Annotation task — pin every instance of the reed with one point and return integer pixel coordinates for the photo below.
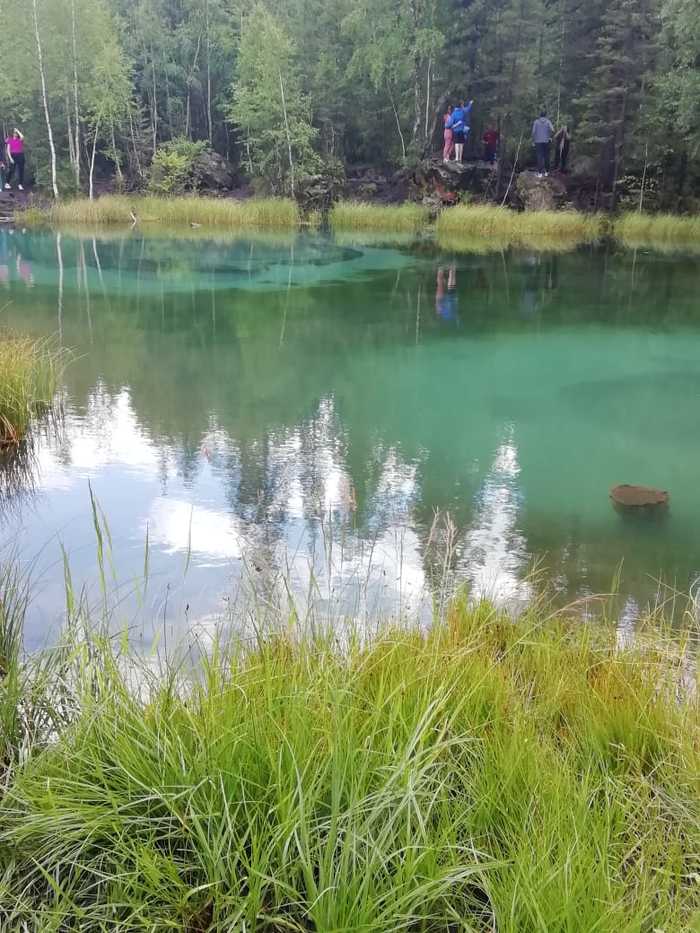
(359, 215)
(489, 773)
(224, 213)
(635, 229)
(29, 375)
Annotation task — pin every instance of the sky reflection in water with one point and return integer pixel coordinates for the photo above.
(299, 407)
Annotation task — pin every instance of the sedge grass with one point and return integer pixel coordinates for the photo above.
(29, 375)
(658, 230)
(487, 774)
(360, 215)
(224, 213)
(513, 227)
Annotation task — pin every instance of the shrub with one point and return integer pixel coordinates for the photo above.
(174, 166)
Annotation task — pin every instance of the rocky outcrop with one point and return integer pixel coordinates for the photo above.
(367, 183)
(213, 172)
(540, 194)
(318, 192)
(435, 181)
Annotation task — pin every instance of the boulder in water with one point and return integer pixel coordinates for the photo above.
(639, 499)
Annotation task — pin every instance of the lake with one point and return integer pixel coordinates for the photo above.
(311, 408)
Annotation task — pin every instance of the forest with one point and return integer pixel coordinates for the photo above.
(104, 90)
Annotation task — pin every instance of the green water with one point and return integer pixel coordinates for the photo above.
(303, 406)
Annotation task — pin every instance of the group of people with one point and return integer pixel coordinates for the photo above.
(12, 161)
(456, 129)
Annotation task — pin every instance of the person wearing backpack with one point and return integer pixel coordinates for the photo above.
(460, 127)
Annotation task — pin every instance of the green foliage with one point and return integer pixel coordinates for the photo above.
(272, 113)
(174, 167)
(280, 88)
(497, 774)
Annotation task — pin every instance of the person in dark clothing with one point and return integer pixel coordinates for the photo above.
(490, 141)
(562, 144)
(542, 132)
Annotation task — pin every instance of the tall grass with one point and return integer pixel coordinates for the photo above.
(29, 375)
(225, 213)
(635, 229)
(488, 774)
(359, 215)
(505, 224)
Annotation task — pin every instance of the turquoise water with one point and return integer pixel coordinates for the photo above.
(295, 406)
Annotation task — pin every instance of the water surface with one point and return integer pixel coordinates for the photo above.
(306, 406)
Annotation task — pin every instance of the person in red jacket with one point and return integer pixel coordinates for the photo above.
(490, 141)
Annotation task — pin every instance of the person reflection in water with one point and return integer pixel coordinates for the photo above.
(446, 306)
(4, 258)
(23, 265)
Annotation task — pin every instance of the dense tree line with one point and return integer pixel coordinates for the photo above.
(287, 88)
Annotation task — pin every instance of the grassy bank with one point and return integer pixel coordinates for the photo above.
(224, 213)
(358, 215)
(29, 375)
(486, 775)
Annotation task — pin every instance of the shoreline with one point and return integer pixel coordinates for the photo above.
(455, 225)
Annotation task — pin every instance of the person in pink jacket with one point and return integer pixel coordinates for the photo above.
(448, 136)
(14, 146)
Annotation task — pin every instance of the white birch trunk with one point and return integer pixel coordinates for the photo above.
(76, 108)
(289, 138)
(92, 158)
(44, 97)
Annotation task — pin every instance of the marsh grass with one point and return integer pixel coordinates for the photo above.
(486, 774)
(513, 227)
(662, 230)
(359, 215)
(225, 213)
(29, 375)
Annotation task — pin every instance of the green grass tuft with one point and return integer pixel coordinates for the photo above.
(512, 227)
(29, 375)
(487, 774)
(663, 230)
(224, 213)
(358, 215)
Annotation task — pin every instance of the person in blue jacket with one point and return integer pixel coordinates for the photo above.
(460, 127)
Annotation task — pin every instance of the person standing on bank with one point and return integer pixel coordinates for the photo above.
(542, 132)
(460, 127)
(562, 143)
(15, 154)
(447, 135)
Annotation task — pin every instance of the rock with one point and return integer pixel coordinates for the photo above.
(448, 180)
(540, 194)
(639, 499)
(213, 171)
(317, 192)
